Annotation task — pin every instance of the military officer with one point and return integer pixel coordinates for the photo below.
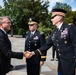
(34, 40)
(64, 39)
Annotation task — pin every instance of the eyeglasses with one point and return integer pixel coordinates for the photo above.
(7, 22)
(55, 16)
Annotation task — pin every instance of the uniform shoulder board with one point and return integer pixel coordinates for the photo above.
(41, 32)
(70, 23)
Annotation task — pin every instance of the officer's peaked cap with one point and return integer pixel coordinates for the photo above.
(33, 21)
(59, 11)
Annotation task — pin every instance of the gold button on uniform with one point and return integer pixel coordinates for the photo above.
(58, 49)
(65, 42)
(35, 44)
(57, 44)
(74, 57)
(56, 40)
(29, 41)
(59, 54)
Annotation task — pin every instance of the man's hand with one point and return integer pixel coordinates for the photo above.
(28, 54)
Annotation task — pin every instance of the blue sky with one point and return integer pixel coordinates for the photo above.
(72, 3)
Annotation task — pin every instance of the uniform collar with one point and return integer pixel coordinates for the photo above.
(33, 32)
(60, 26)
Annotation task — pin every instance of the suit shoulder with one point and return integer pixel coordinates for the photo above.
(1, 34)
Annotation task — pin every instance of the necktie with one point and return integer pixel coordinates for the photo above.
(31, 34)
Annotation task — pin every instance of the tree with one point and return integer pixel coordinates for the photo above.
(74, 17)
(20, 11)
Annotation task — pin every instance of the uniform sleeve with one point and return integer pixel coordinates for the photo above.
(42, 42)
(73, 37)
(45, 47)
(5, 49)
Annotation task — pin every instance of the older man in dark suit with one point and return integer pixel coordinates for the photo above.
(5, 47)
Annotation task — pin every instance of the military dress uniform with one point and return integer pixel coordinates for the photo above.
(65, 42)
(32, 43)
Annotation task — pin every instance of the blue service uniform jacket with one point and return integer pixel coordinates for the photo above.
(65, 42)
(33, 43)
(6, 54)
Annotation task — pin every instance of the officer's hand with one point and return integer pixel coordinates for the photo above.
(41, 63)
(27, 54)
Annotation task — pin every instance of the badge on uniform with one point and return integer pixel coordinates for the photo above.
(35, 38)
(64, 33)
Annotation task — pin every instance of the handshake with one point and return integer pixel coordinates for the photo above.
(28, 54)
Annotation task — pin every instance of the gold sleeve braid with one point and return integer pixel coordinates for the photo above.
(43, 56)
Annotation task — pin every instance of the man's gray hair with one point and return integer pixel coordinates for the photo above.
(2, 17)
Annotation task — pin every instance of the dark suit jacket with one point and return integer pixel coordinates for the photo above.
(6, 54)
(65, 42)
(33, 43)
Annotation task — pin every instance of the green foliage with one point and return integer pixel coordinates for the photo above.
(20, 32)
(43, 29)
(19, 11)
(74, 17)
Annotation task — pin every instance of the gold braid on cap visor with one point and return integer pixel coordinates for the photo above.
(32, 22)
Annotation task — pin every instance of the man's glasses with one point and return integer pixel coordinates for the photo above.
(55, 16)
(7, 22)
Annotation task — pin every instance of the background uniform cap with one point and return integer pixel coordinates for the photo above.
(58, 11)
(33, 21)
